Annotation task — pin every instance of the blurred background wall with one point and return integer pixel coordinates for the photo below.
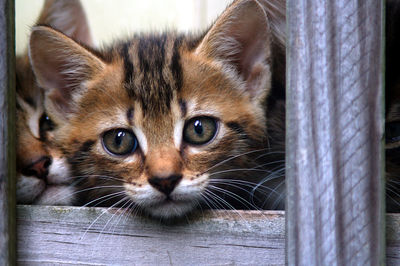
(110, 19)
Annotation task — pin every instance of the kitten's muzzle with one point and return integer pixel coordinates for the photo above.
(39, 168)
(165, 184)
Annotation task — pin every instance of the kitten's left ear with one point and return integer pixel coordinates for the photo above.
(240, 39)
(69, 17)
(62, 68)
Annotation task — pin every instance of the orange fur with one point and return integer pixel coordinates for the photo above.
(151, 87)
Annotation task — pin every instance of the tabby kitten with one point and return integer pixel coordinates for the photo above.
(43, 172)
(164, 122)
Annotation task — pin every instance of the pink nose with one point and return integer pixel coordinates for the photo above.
(39, 168)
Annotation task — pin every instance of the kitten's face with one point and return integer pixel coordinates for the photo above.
(160, 121)
(43, 175)
(164, 143)
(39, 165)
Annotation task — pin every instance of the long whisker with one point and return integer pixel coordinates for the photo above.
(98, 217)
(228, 205)
(234, 196)
(112, 216)
(234, 157)
(84, 190)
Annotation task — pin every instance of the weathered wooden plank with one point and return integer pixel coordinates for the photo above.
(335, 128)
(393, 239)
(73, 235)
(7, 134)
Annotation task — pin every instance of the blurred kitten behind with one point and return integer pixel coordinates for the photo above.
(43, 175)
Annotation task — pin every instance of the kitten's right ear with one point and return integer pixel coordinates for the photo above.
(69, 17)
(62, 67)
(240, 40)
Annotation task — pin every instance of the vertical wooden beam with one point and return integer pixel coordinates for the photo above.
(7, 134)
(334, 133)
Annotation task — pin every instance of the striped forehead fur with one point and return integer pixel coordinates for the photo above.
(152, 66)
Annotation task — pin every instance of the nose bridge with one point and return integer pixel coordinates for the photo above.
(29, 149)
(163, 162)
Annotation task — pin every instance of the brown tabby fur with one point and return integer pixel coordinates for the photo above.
(46, 185)
(153, 83)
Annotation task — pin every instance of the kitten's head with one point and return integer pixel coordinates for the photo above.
(161, 120)
(39, 163)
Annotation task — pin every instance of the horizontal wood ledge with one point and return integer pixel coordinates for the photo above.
(98, 236)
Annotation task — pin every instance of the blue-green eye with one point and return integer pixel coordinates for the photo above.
(120, 141)
(200, 130)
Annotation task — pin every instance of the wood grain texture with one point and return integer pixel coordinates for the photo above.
(7, 134)
(95, 236)
(393, 239)
(335, 133)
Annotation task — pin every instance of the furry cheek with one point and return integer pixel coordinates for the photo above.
(59, 172)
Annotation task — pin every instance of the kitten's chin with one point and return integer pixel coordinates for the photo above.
(170, 209)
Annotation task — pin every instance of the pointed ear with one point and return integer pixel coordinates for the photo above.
(67, 16)
(62, 68)
(240, 40)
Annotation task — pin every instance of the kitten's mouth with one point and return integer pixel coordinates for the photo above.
(169, 208)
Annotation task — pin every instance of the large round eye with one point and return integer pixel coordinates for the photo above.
(119, 141)
(200, 130)
(392, 132)
(45, 124)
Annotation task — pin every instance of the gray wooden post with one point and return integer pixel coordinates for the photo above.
(334, 133)
(7, 135)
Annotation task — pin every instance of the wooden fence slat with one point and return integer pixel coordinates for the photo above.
(7, 134)
(56, 235)
(334, 133)
(95, 236)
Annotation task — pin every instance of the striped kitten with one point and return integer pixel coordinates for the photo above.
(42, 170)
(166, 122)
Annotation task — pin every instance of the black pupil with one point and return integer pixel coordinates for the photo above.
(119, 137)
(198, 127)
(45, 124)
